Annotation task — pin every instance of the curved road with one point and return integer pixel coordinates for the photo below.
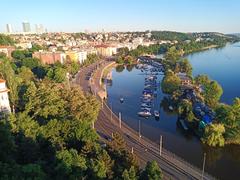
(107, 123)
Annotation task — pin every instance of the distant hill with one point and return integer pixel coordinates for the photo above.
(179, 36)
(236, 34)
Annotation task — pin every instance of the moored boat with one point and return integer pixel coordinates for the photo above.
(144, 113)
(171, 108)
(121, 100)
(156, 114)
(183, 124)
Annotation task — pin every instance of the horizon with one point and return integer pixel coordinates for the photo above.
(123, 16)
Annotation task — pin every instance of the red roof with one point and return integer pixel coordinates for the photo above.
(6, 46)
(2, 81)
(102, 46)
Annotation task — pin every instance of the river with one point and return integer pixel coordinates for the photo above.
(220, 64)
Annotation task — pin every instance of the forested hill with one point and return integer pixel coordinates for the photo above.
(180, 36)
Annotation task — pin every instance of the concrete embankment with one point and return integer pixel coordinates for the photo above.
(96, 86)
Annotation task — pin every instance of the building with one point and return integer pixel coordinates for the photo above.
(4, 101)
(50, 57)
(72, 56)
(24, 45)
(106, 50)
(39, 28)
(26, 27)
(185, 79)
(9, 28)
(7, 50)
(82, 56)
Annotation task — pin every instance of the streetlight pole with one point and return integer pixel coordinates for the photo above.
(160, 146)
(204, 161)
(111, 111)
(120, 120)
(139, 129)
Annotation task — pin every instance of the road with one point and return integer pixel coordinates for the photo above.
(107, 123)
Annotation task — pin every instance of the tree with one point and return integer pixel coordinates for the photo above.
(2, 55)
(129, 175)
(229, 116)
(173, 54)
(25, 74)
(98, 169)
(21, 122)
(45, 101)
(72, 67)
(123, 158)
(212, 91)
(81, 107)
(185, 67)
(37, 47)
(70, 164)
(120, 60)
(7, 144)
(117, 144)
(91, 58)
(21, 54)
(120, 68)
(123, 51)
(6, 40)
(152, 172)
(60, 75)
(129, 60)
(31, 62)
(185, 109)
(225, 115)
(213, 135)
(32, 171)
(170, 83)
(12, 81)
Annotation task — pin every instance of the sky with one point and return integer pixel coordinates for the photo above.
(123, 15)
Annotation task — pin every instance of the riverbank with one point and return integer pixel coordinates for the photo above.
(106, 74)
(201, 50)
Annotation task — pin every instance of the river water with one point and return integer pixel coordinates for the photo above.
(220, 64)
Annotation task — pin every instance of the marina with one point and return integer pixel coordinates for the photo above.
(151, 84)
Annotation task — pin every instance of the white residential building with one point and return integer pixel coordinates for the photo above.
(4, 101)
(82, 56)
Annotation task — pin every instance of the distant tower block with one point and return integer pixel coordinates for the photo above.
(9, 28)
(4, 101)
(26, 27)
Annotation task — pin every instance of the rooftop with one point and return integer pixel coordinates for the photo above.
(2, 81)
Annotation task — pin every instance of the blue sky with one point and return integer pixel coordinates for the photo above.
(122, 15)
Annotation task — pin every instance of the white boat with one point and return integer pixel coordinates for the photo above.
(121, 99)
(144, 113)
(148, 100)
(147, 95)
(170, 107)
(156, 114)
(146, 109)
(145, 105)
(183, 124)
